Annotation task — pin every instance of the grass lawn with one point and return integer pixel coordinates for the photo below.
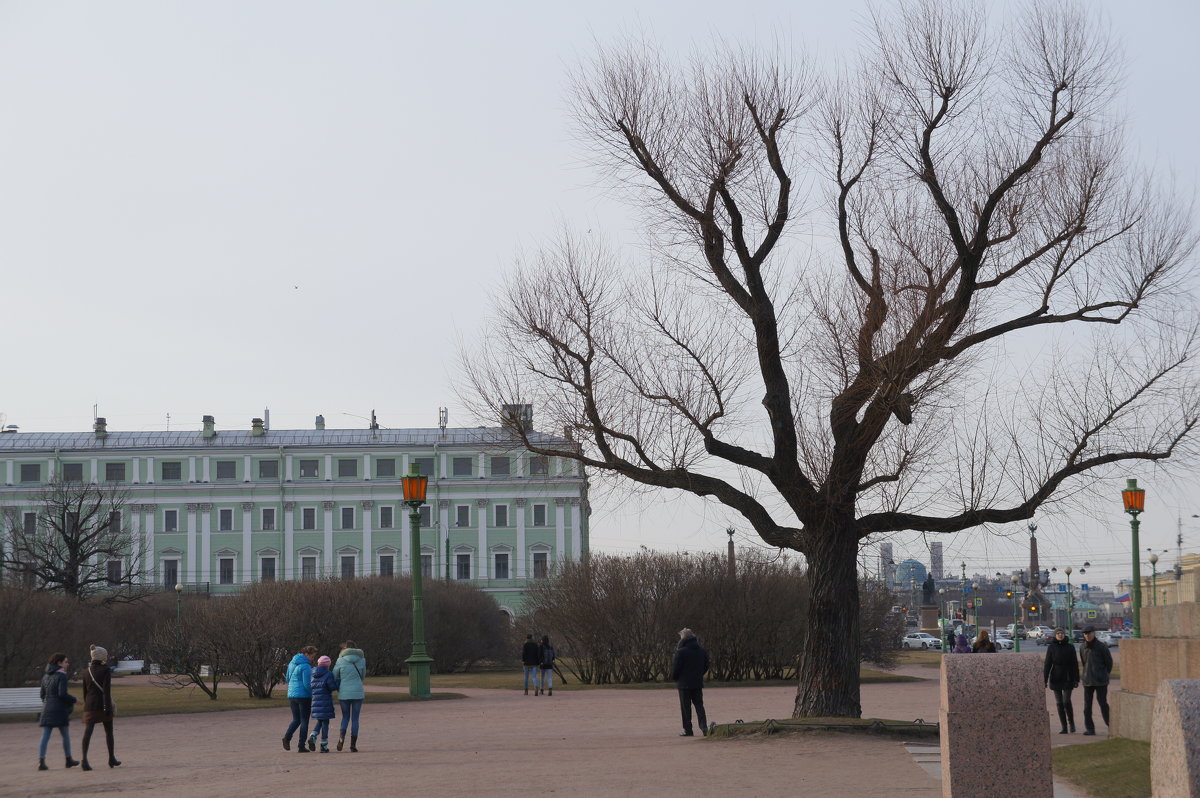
(916, 656)
(1116, 768)
(143, 699)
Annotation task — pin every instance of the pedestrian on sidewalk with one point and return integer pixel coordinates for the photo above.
(1061, 673)
(530, 663)
(299, 682)
(324, 685)
(546, 657)
(688, 669)
(57, 703)
(349, 672)
(983, 643)
(1097, 664)
(98, 704)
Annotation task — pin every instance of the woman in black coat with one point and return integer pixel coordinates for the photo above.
(57, 704)
(1061, 672)
(98, 704)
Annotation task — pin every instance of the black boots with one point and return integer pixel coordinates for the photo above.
(72, 762)
(42, 765)
(354, 743)
(86, 766)
(551, 691)
(342, 739)
(287, 744)
(113, 762)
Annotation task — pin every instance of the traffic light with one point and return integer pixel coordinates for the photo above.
(1033, 609)
(1008, 594)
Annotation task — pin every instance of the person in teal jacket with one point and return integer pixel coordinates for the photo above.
(299, 682)
(350, 671)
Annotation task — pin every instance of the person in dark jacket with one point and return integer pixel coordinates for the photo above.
(324, 685)
(688, 669)
(1097, 664)
(546, 657)
(299, 682)
(57, 704)
(98, 703)
(1061, 674)
(530, 662)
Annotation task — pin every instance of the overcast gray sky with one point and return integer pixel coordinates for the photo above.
(216, 207)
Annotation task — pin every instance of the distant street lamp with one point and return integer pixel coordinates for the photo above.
(975, 600)
(178, 604)
(1070, 600)
(1016, 580)
(1154, 580)
(418, 663)
(1134, 499)
(942, 618)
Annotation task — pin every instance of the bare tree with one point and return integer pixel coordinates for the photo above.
(979, 307)
(78, 542)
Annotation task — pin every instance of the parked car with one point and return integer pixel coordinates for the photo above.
(1002, 640)
(1111, 639)
(1016, 630)
(920, 640)
(1042, 634)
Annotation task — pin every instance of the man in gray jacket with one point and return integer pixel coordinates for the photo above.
(1097, 665)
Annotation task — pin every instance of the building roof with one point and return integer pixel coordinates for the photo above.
(17, 442)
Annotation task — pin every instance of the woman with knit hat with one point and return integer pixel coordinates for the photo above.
(97, 703)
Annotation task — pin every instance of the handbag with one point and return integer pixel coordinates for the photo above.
(112, 703)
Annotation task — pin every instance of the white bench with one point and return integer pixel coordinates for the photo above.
(129, 666)
(15, 700)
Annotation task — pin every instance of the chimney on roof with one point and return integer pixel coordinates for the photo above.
(321, 422)
(517, 418)
(100, 427)
(210, 427)
(256, 427)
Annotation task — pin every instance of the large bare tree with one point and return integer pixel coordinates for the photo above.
(926, 293)
(79, 543)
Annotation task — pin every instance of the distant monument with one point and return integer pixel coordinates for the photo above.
(928, 588)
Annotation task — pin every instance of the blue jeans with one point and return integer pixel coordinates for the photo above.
(322, 729)
(548, 678)
(531, 670)
(301, 707)
(350, 709)
(64, 730)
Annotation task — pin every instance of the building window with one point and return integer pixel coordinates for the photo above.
(539, 465)
(227, 469)
(308, 567)
(114, 521)
(309, 469)
(114, 472)
(170, 520)
(501, 515)
(225, 520)
(114, 572)
(268, 469)
(72, 472)
(170, 574)
(462, 515)
(424, 466)
(348, 566)
(501, 566)
(268, 519)
(30, 521)
(347, 518)
(348, 468)
(425, 514)
(539, 515)
(31, 472)
(501, 466)
(462, 566)
(427, 566)
(461, 466)
(541, 565)
(385, 517)
(266, 569)
(387, 565)
(385, 467)
(172, 471)
(308, 518)
(226, 564)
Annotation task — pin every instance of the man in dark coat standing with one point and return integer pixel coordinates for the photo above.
(530, 663)
(1097, 665)
(688, 669)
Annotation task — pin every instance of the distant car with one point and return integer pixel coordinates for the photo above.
(1016, 630)
(1042, 633)
(922, 640)
(1003, 640)
(1111, 639)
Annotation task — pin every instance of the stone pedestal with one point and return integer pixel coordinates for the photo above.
(1175, 740)
(929, 620)
(993, 720)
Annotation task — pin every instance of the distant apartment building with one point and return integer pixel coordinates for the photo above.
(218, 510)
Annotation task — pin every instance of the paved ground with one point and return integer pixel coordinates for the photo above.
(603, 743)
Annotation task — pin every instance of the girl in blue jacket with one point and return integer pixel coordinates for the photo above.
(323, 688)
(299, 683)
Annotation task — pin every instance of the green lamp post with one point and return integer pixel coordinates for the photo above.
(415, 486)
(1134, 499)
(1016, 631)
(1070, 624)
(1154, 579)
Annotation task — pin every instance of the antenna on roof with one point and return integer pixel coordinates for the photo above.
(266, 418)
(443, 419)
(95, 411)
(374, 422)
(168, 422)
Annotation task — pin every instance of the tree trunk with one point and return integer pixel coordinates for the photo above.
(828, 666)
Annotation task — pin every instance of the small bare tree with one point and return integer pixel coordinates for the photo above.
(979, 309)
(78, 543)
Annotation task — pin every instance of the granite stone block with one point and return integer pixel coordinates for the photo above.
(990, 704)
(1175, 740)
(1131, 714)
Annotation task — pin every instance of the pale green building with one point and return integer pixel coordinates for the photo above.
(217, 509)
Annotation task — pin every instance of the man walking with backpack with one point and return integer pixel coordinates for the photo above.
(530, 662)
(688, 669)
